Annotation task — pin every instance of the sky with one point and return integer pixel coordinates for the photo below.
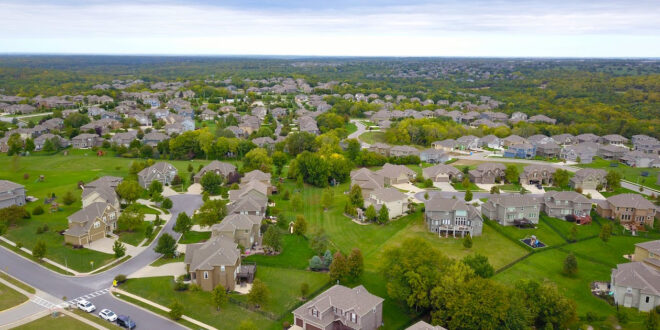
(477, 28)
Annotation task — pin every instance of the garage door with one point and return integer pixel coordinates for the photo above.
(97, 236)
(311, 327)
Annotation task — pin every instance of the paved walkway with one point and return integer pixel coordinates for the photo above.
(172, 269)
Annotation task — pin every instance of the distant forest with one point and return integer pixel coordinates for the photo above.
(611, 95)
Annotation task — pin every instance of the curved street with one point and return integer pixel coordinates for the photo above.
(72, 287)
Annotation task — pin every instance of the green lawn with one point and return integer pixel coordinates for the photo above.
(350, 128)
(134, 237)
(60, 322)
(459, 186)
(192, 237)
(510, 187)
(372, 137)
(61, 174)
(584, 231)
(196, 304)
(284, 286)
(10, 297)
(295, 254)
(542, 231)
(632, 174)
(162, 260)
(146, 209)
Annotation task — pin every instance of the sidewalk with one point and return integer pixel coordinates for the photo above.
(161, 307)
(44, 259)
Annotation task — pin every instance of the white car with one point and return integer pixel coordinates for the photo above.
(108, 315)
(86, 306)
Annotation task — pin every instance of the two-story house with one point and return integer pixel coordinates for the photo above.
(537, 174)
(648, 252)
(161, 171)
(242, 228)
(220, 168)
(487, 173)
(509, 210)
(367, 180)
(395, 201)
(91, 223)
(636, 285)
(341, 308)
(588, 178)
(629, 209)
(559, 204)
(447, 216)
(396, 174)
(11, 194)
(442, 173)
(214, 262)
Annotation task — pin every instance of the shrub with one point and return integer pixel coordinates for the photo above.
(176, 310)
(121, 278)
(194, 288)
(38, 210)
(179, 284)
(166, 204)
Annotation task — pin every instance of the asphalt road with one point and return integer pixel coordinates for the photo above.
(71, 287)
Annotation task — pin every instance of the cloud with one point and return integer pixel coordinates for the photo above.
(448, 28)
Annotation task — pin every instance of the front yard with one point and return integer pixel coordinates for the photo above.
(10, 297)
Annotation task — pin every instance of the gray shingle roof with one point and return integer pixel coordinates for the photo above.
(637, 275)
(217, 251)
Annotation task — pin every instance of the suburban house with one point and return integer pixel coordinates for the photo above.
(102, 193)
(559, 204)
(343, 308)
(445, 145)
(111, 181)
(611, 152)
(614, 139)
(207, 115)
(630, 209)
(582, 153)
(86, 140)
(161, 171)
(433, 156)
(59, 142)
(537, 174)
(403, 151)
(124, 138)
(308, 124)
(490, 141)
(265, 142)
(549, 149)
(367, 180)
(216, 261)
(380, 148)
(11, 194)
(587, 137)
(251, 199)
(396, 174)
(512, 140)
(588, 178)
(442, 173)
(520, 150)
(257, 175)
(648, 252)
(487, 173)
(639, 158)
(645, 143)
(154, 138)
(421, 325)
(395, 201)
(509, 210)
(91, 223)
(452, 217)
(220, 168)
(636, 285)
(542, 119)
(564, 139)
(243, 229)
(468, 142)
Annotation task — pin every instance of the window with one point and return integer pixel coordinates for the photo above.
(222, 268)
(97, 224)
(353, 317)
(206, 275)
(647, 299)
(315, 312)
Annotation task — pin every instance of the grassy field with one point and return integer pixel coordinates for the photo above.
(61, 174)
(194, 237)
(372, 137)
(196, 304)
(60, 322)
(632, 174)
(10, 297)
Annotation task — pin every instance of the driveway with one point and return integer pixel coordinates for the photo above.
(172, 269)
(595, 194)
(532, 189)
(167, 192)
(408, 187)
(105, 245)
(444, 186)
(195, 189)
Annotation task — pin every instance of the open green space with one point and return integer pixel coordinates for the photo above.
(162, 260)
(197, 305)
(61, 175)
(134, 237)
(632, 174)
(10, 297)
(372, 137)
(564, 227)
(192, 237)
(146, 209)
(60, 322)
(295, 254)
(284, 287)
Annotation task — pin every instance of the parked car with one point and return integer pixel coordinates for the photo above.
(108, 315)
(539, 186)
(86, 306)
(125, 322)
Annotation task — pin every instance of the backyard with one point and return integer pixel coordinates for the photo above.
(632, 174)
